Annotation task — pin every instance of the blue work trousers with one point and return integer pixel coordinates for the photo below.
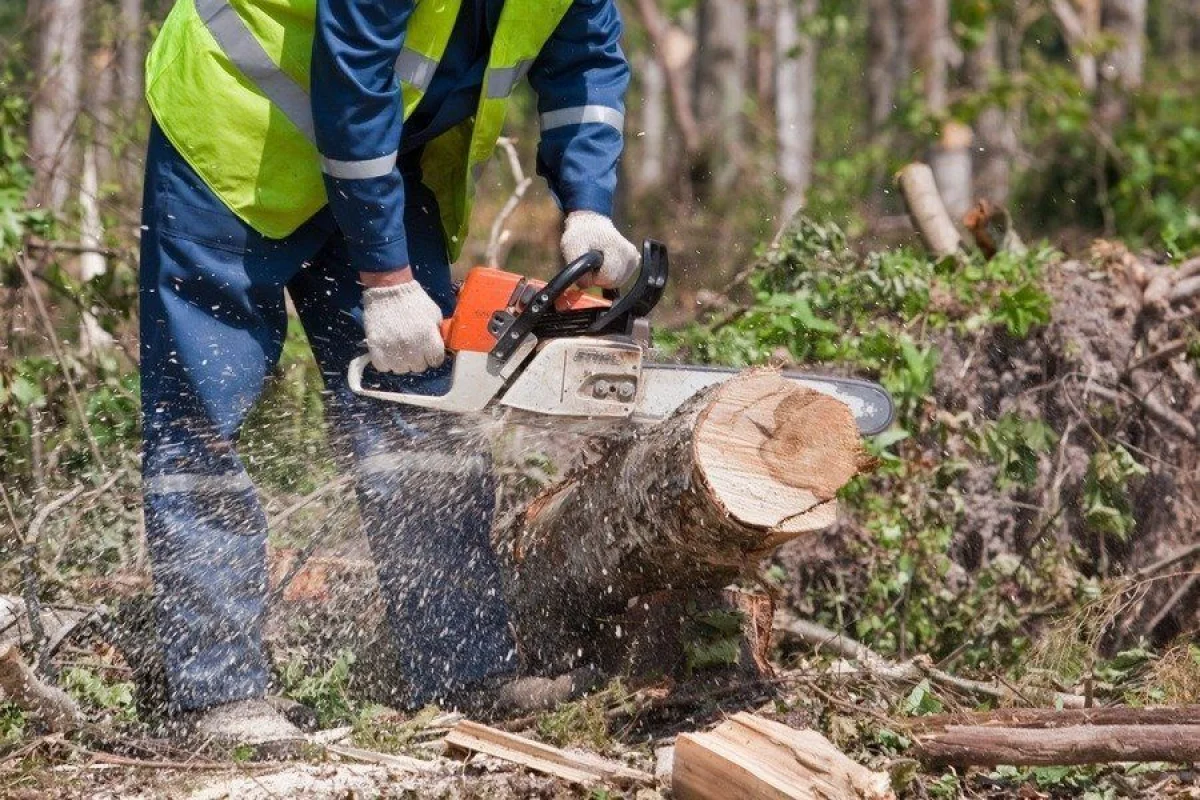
(213, 321)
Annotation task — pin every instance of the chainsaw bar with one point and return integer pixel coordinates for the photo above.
(665, 387)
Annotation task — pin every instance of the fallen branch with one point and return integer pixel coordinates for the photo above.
(914, 670)
(583, 769)
(1057, 718)
(1164, 353)
(406, 763)
(987, 746)
(1169, 561)
(500, 234)
(24, 688)
(1169, 417)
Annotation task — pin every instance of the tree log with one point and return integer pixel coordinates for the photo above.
(691, 503)
(981, 745)
(1059, 717)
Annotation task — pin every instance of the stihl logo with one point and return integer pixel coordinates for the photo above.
(597, 357)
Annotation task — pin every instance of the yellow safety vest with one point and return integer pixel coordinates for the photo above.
(228, 81)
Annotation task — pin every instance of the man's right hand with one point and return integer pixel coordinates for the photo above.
(402, 323)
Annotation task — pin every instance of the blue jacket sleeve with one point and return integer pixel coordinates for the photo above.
(358, 115)
(580, 79)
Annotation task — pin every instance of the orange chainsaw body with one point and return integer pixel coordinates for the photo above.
(486, 291)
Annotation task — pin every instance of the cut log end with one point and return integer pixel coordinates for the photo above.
(772, 455)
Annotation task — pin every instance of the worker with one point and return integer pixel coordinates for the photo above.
(330, 149)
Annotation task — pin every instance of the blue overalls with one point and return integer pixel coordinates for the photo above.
(213, 321)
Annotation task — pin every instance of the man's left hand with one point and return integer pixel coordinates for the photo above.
(588, 230)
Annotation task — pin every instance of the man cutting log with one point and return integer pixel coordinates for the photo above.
(329, 149)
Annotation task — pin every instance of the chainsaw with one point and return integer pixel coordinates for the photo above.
(554, 350)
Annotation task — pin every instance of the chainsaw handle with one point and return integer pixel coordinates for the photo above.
(542, 304)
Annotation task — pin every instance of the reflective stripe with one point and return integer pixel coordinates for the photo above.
(502, 80)
(179, 482)
(418, 461)
(577, 115)
(248, 55)
(415, 69)
(359, 170)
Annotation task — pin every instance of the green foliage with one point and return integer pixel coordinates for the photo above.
(1013, 443)
(92, 691)
(713, 638)
(1021, 309)
(1107, 507)
(12, 723)
(585, 722)
(326, 691)
(922, 700)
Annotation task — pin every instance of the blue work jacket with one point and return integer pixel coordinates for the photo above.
(358, 114)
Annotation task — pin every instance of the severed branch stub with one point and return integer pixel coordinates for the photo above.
(927, 211)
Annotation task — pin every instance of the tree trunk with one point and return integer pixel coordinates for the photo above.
(56, 101)
(130, 55)
(795, 99)
(651, 166)
(887, 64)
(720, 89)
(997, 139)
(690, 504)
(764, 51)
(1124, 21)
(927, 29)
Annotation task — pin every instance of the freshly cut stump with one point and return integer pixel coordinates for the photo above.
(690, 503)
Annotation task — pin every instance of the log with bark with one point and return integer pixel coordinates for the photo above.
(689, 504)
(986, 745)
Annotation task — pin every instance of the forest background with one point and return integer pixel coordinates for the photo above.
(1035, 509)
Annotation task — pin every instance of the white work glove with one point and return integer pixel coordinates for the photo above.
(403, 328)
(587, 230)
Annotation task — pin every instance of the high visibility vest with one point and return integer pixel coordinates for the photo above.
(228, 81)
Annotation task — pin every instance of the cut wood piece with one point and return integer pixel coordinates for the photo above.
(927, 211)
(583, 769)
(1060, 717)
(689, 504)
(989, 746)
(391, 760)
(752, 757)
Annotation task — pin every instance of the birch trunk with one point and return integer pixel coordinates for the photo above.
(651, 169)
(722, 54)
(56, 102)
(796, 60)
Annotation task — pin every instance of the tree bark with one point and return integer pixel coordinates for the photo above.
(997, 138)
(688, 504)
(722, 53)
(977, 745)
(927, 29)
(1060, 717)
(651, 165)
(672, 52)
(887, 63)
(927, 211)
(1121, 69)
(764, 51)
(795, 99)
(130, 56)
(56, 102)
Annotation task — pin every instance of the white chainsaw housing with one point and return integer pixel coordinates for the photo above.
(576, 377)
(580, 377)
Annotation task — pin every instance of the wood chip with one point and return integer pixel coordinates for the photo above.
(582, 769)
(752, 757)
